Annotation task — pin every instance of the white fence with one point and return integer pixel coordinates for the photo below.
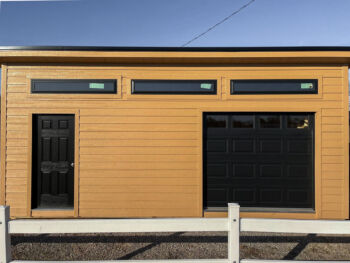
(232, 224)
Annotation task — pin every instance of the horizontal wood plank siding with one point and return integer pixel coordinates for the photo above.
(334, 172)
(141, 156)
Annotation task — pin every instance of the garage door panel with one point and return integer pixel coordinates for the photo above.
(270, 196)
(217, 197)
(243, 170)
(271, 170)
(217, 170)
(243, 145)
(298, 171)
(245, 196)
(298, 158)
(260, 160)
(270, 146)
(299, 146)
(217, 146)
(298, 196)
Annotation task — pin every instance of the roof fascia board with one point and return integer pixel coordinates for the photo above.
(164, 57)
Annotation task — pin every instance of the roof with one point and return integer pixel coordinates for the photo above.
(178, 49)
(176, 55)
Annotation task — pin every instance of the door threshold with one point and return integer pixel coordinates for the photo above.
(53, 209)
(52, 213)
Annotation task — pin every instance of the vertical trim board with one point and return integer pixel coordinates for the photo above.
(346, 139)
(3, 133)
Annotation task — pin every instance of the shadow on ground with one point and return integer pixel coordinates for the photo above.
(178, 245)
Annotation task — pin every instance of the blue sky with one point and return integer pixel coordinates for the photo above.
(173, 22)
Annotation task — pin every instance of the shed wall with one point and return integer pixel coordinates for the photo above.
(141, 155)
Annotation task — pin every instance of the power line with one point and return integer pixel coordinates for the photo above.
(219, 23)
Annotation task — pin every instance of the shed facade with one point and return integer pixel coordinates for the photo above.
(174, 133)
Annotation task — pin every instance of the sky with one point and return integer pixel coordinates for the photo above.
(174, 22)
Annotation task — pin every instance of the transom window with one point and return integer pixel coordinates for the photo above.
(273, 86)
(242, 121)
(76, 86)
(270, 121)
(173, 86)
(216, 121)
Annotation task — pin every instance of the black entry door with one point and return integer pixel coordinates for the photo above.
(259, 160)
(53, 161)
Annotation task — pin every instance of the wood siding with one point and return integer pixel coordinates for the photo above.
(141, 155)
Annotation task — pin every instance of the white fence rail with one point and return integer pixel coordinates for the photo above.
(232, 224)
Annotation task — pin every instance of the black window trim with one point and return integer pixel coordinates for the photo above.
(212, 81)
(233, 92)
(114, 81)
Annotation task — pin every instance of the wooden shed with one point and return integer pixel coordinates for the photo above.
(95, 132)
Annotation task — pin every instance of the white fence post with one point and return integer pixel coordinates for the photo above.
(5, 241)
(233, 232)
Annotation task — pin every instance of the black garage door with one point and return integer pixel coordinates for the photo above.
(259, 160)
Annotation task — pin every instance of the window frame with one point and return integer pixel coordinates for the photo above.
(72, 75)
(212, 81)
(315, 91)
(246, 128)
(171, 74)
(280, 121)
(287, 123)
(114, 83)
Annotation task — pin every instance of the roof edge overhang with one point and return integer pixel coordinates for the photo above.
(175, 55)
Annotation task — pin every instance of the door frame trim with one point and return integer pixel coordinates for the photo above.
(317, 160)
(48, 213)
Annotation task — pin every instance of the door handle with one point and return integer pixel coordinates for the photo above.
(72, 164)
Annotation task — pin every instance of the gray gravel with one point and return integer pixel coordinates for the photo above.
(178, 246)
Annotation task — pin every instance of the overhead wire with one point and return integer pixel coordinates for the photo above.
(219, 23)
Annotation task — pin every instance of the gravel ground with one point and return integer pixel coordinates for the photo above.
(178, 246)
